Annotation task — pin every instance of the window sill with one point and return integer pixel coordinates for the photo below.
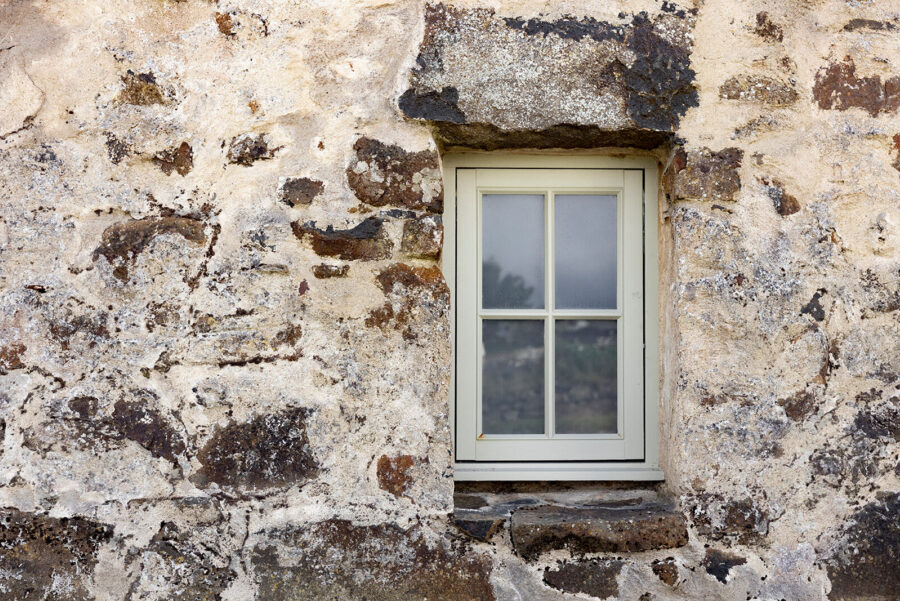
(632, 471)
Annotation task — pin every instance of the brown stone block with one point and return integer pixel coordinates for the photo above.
(705, 174)
(596, 529)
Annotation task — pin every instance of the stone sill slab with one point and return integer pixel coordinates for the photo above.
(610, 523)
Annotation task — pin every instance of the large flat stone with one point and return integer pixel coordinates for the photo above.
(596, 529)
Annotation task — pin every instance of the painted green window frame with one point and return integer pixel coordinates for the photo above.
(633, 452)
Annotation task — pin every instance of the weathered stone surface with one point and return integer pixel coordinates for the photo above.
(364, 242)
(392, 474)
(705, 174)
(871, 24)
(410, 290)
(719, 563)
(180, 160)
(325, 271)
(785, 204)
(48, 558)
(767, 28)
(467, 501)
(123, 242)
(864, 563)
(799, 406)
(593, 530)
(423, 237)
(141, 89)
(477, 524)
(19, 95)
(838, 87)
(596, 577)
(741, 519)
(246, 149)
(377, 563)
(268, 451)
(755, 88)
(386, 174)
(299, 191)
(666, 570)
(471, 62)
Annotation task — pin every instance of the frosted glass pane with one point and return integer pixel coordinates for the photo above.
(586, 372)
(585, 251)
(512, 251)
(512, 389)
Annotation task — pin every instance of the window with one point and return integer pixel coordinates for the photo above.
(553, 265)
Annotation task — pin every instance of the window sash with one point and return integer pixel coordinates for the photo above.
(628, 442)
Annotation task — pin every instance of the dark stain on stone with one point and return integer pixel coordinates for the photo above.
(432, 105)
(123, 242)
(116, 149)
(180, 160)
(856, 24)
(785, 204)
(666, 570)
(268, 451)
(879, 421)
(38, 553)
(568, 28)
(864, 562)
(768, 29)
(63, 327)
(596, 578)
(11, 357)
(705, 174)
(392, 474)
(364, 242)
(2, 435)
(246, 149)
(814, 307)
(837, 87)
(325, 271)
(423, 237)
(660, 82)
(758, 88)
(467, 501)
(596, 529)
(410, 277)
(719, 563)
(140, 89)
(338, 561)
(139, 422)
(386, 174)
(896, 149)
(799, 406)
(225, 24)
(299, 191)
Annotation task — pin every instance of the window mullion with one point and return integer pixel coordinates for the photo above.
(549, 329)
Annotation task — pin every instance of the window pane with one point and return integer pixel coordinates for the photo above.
(512, 393)
(512, 251)
(586, 370)
(585, 241)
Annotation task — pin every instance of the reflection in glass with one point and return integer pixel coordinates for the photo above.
(512, 389)
(585, 377)
(512, 249)
(585, 251)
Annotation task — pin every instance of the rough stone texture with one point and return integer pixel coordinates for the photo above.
(593, 530)
(705, 174)
(211, 328)
(423, 237)
(596, 578)
(754, 88)
(48, 558)
(337, 560)
(385, 174)
(631, 75)
(666, 569)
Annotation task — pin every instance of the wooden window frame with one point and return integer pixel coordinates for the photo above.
(633, 453)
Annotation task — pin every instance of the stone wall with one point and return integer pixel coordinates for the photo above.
(225, 346)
